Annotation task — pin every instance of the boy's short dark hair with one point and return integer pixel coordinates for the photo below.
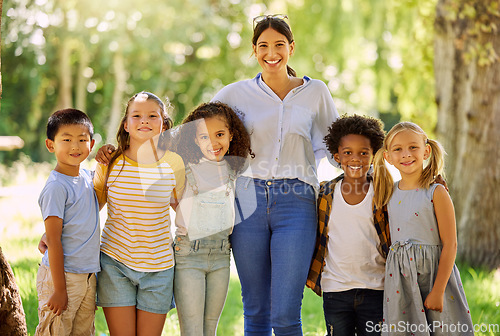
(68, 117)
(369, 127)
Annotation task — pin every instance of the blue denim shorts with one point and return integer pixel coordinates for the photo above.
(120, 286)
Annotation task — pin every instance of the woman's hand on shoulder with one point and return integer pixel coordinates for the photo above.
(104, 154)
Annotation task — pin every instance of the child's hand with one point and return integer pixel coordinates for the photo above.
(58, 302)
(103, 155)
(439, 179)
(42, 244)
(434, 301)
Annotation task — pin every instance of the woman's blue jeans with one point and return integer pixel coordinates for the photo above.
(272, 248)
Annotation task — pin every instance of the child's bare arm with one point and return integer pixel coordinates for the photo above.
(99, 187)
(445, 215)
(53, 229)
(174, 203)
(103, 155)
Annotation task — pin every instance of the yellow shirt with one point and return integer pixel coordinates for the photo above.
(137, 231)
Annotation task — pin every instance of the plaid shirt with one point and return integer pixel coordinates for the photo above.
(325, 200)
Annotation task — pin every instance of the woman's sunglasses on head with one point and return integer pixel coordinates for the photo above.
(261, 18)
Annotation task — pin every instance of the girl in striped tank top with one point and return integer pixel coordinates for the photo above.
(142, 180)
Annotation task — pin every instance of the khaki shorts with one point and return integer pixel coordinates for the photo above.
(78, 319)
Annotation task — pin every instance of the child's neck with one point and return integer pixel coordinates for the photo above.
(67, 169)
(409, 182)
(143, 152)
(354, 190)
(205, 159)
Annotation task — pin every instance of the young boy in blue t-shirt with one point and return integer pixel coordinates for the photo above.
(66, 281)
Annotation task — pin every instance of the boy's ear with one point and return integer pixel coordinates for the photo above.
(50, 145)
(336, 157)
(92, 143)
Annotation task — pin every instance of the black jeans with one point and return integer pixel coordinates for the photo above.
(353, 312)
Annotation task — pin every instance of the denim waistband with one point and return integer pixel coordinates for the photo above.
(276, 182)
(204, 243)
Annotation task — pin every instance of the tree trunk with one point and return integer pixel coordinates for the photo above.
(1, 8)
(65, 85)
(81, 80)
(116, 106)
(12, 319)
(467, 72)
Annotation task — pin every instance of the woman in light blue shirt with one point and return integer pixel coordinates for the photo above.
(273, 241)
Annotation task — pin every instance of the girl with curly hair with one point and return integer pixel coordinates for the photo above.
(214, 145)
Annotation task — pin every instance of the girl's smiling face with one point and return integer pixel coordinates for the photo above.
(213, 137)
(407, 152)
(273, 50)
(144, 120)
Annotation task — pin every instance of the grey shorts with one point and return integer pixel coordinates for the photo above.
(120, 286)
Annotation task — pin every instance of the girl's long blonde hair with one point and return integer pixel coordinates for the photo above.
(383, 182)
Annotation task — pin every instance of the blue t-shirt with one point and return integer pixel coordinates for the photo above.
(73, 199)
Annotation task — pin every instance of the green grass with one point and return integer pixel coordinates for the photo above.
(21, 227)
(24, 259)
(482, 290)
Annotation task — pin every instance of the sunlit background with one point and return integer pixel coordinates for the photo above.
(375, 56)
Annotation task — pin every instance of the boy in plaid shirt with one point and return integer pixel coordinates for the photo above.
(353, 236)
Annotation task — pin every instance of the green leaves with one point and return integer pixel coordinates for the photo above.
(376, 56)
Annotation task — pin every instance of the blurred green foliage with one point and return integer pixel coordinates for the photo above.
(375, 56)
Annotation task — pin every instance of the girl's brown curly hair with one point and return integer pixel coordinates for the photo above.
(239, 147)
